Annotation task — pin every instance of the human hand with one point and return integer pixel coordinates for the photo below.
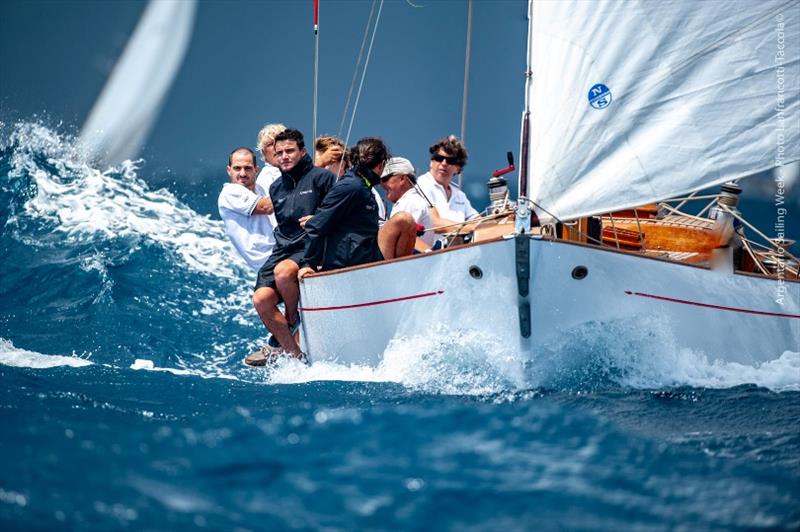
(304, 219)
(332, 155)
(303, 272)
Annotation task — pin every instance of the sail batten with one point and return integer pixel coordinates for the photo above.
(636, 102)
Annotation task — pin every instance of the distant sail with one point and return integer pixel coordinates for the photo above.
(124, 114)
(635, 102)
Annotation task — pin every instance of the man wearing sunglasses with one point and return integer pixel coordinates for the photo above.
(448, 158)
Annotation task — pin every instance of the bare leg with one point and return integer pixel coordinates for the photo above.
(266, 300)
(397, 236)
(288, 288)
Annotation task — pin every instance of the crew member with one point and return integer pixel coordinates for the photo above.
(296, 195)
(448, 158)
(245, 208)
(344, 231)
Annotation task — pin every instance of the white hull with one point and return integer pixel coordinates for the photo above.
(351, 316)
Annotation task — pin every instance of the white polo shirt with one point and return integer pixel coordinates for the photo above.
(250, 234)
(458, 208)
(381, 206)
(415, 205)
(265, 178)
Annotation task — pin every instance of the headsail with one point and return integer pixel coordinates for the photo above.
(128, 106)
(635, 102)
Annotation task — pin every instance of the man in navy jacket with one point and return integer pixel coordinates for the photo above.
(344, 230)
(296, 195)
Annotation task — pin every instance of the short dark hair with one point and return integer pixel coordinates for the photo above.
(242, 148)
(369, 152)
(453, 148)
(291, 134)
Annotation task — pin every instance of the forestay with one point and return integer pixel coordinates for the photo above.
(635, 102)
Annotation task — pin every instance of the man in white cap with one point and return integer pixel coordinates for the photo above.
(398, 180)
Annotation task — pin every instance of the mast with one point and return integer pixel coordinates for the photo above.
(525, 163)
(316, 77)
(466, 84)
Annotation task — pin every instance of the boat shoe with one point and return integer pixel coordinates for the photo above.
(267, 356)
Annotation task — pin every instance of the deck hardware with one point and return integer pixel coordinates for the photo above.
(523, 257)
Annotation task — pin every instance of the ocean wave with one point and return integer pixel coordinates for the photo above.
(96, 261)
(21, 358)
(593, 357)
(86, 205)
(641, 354)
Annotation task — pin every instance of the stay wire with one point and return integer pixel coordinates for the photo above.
(363, 73)
(355, 70)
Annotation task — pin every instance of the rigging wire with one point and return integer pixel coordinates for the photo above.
(363, 73)
(355, 70)
(316, 78)
(466, 83)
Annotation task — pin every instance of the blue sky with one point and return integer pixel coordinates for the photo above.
(250, 62)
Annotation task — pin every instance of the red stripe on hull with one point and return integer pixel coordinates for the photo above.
(716, 307)
(373, 303)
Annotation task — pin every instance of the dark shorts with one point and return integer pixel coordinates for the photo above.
(266, 275)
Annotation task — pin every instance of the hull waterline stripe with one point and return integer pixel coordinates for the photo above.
(717, 307)
(373, 303)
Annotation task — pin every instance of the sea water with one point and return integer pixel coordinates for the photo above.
(124, 316)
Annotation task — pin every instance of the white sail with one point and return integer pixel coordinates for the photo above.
(686, 95)
(123, 115)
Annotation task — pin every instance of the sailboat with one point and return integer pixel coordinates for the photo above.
(632, 111)
(131, 100)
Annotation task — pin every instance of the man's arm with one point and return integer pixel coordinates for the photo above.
(333, 209)
(263, 206)
(443, 225)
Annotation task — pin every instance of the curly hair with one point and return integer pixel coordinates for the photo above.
(453, 147)
(267, 135)
(326, 142)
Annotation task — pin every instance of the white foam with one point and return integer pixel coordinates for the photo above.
(472, 363)
(687, 368)
(642, 354)
(142, 364)
(21, 358)
(85, 203)
(450, 362)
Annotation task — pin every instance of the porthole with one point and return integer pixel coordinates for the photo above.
(579, 272)
(475, 272)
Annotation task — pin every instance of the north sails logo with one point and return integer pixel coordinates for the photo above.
(599, 96)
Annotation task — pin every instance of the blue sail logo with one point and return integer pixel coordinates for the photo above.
(599, 96)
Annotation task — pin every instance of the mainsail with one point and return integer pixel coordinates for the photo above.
(635, 102)
(128, 106)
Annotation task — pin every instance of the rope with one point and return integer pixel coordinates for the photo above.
(363, 74)
(355, 71)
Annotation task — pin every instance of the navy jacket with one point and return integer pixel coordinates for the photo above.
(295, 194)
(344, 230)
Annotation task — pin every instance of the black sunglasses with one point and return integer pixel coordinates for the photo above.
(450, 160)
